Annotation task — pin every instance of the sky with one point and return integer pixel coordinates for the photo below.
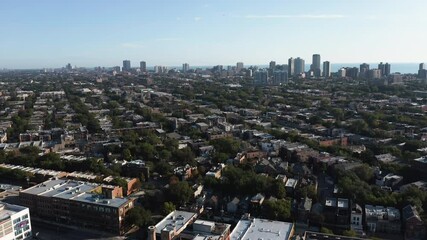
(89, 33)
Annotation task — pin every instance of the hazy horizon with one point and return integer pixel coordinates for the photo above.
(51, 33)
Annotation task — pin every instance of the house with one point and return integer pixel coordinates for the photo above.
(233, 205)
(257, 200)
(290, 185)
(304, 209)
(414, 226)
(337, 212)
(382, 219)
(356, 217)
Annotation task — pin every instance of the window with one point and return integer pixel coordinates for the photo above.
(25, 216)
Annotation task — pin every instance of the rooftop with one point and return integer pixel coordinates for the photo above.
(73, 190)
(176, 219)
(7, 210)
(261, 229)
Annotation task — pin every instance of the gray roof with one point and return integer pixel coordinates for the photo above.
(74, 190)
(261, 229)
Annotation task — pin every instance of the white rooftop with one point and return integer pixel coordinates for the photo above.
(175, 220)
(261, 229)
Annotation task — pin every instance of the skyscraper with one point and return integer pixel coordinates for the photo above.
(126, 65)
(272, 65)
(239, 66)
(387, 69)
(315, 66)
(143, 66)
(326, 69)
(280, 77)
(364, 69)
(422, 72)
(299, 66)
(381, 67)
(291, 66)
(261, 77)
(185, 67)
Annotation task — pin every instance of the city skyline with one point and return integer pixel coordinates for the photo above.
(102, 33)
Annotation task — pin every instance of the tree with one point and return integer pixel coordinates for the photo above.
(278, 189)
(349, 233)
(138, 216)
(168, 207)
(326, 230)
(179, 193)
(277, 210)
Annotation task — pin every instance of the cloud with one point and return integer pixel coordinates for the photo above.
(133, 45)
(301, 16)
(197, 19)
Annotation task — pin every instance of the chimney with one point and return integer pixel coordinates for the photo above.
(152, 233)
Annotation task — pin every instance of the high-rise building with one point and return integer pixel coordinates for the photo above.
(116, 68)
(272, 65)
(126, 66)
(374, 74)
(143, 66)
(326, 69)
(352, 72)
(299, 66)
(69, 67)
(261, 77)
(422, 72)
(387, 69)
(291, 66)
(315, 66)
(381, 67)
(280, 77)
(364, 69)
(342, 72)
(15, 222)
(239, 66)
(185, 67)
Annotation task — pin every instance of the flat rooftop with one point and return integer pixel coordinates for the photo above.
(177, 219)
(7, 210)
(73, 190)
(261, 229)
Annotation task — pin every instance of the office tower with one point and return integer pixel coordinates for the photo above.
(364, 69)
(143, 66)
(69, 67)
(381, 67)
(352, 72)
(185, 67)
(326, 69)
(299, 66)
(315, 66)
(280, 77)
(291, 66)
(116, 68)
(374, 74)
(126, 65)
(261, 77)
(387, 69)
(422, 72)
(239, 66)
(272, 65)
(342, 72)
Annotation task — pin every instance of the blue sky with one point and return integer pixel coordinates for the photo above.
(51, 33)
